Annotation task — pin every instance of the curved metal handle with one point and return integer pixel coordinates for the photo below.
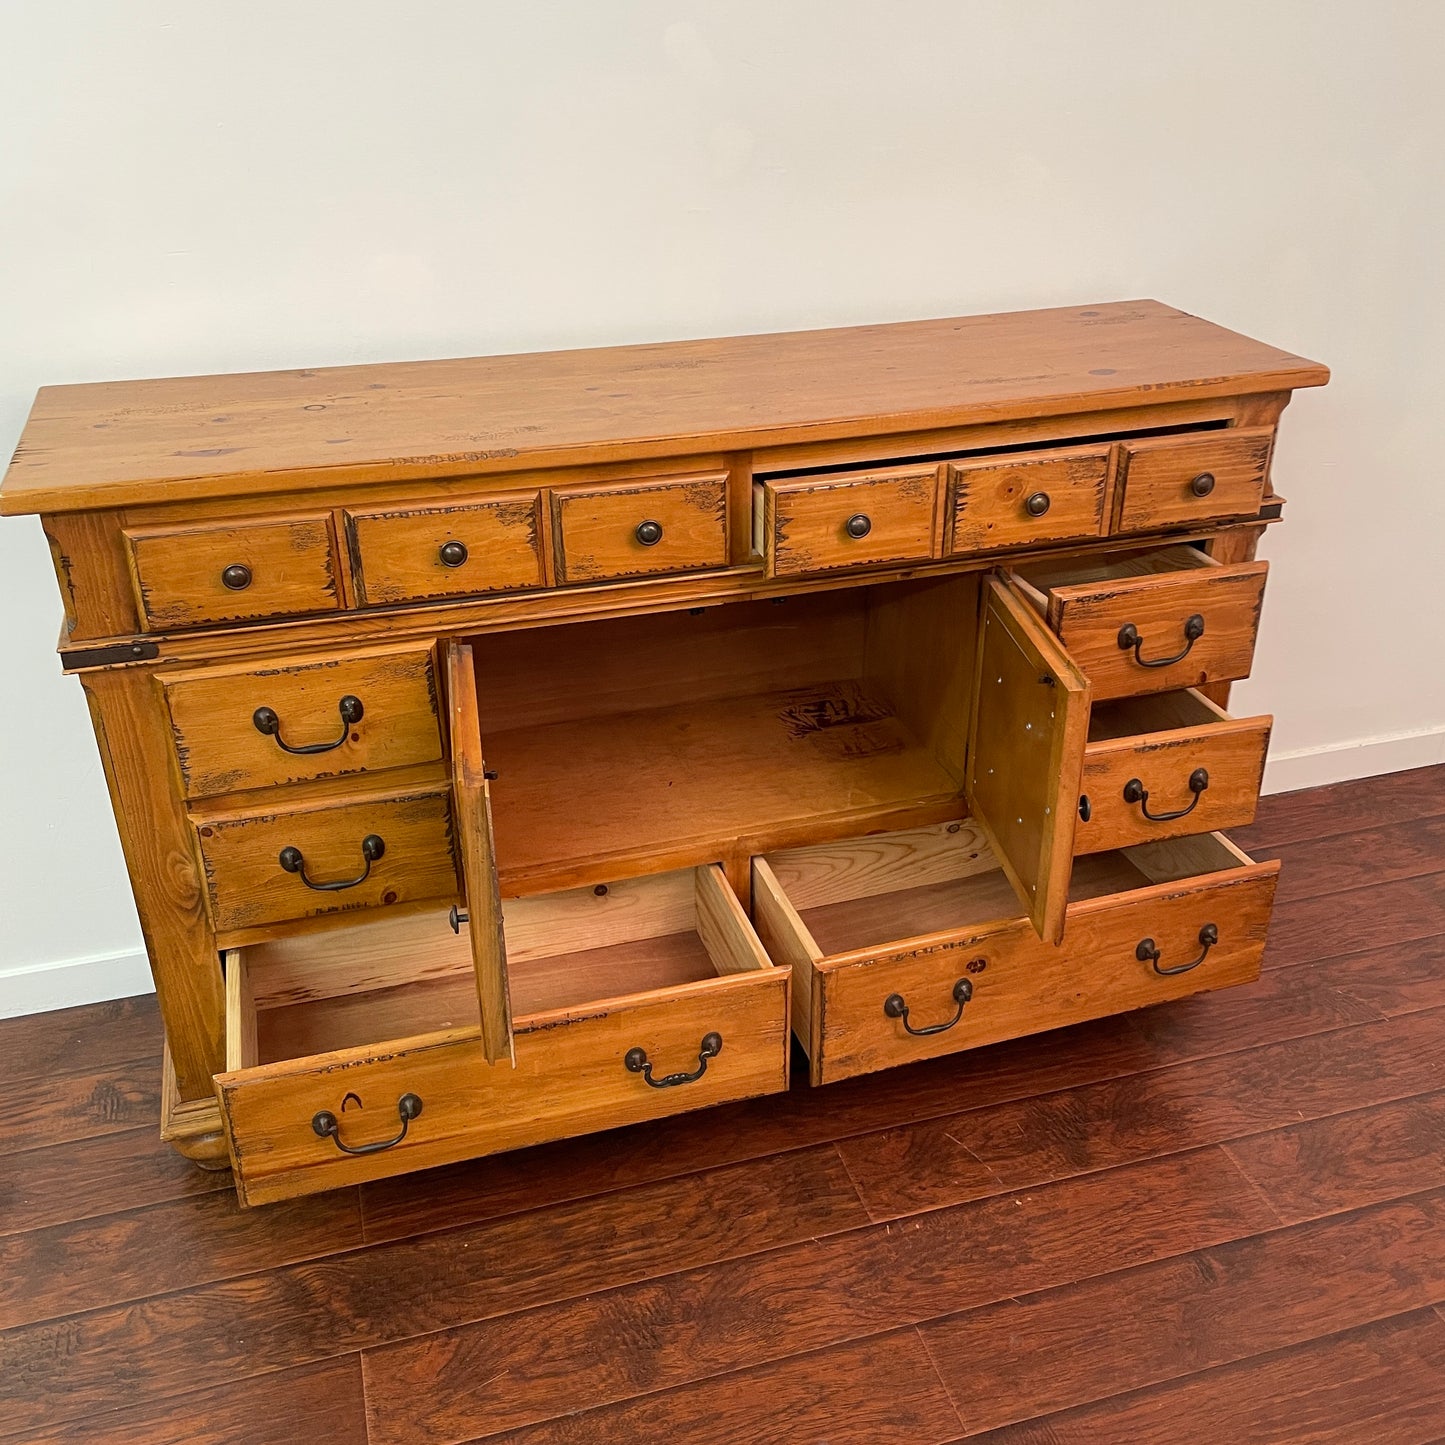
(649, 533)
(327, 1126)
(895, 1008)
(1147, 952)
(635, 1061)
(858, 525)
(1129, 638)
(1037, 504)
(236, 577)
(269, 724)
(1136, 792)
(371, 849)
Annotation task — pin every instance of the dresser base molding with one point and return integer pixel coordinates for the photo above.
(513, 748)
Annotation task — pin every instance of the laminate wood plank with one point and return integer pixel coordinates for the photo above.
(120, 443)
(323, 1308)
(505, 1373)
(1394, 979)
(884, 1388)
(73, 1040)
(318, 1404)
(1345, 807)
(1281, 1005)
(1367, 856)
(82, 1178)
(1351, 920)
(81, 1106)
(984, 1151)
(94, 1263)
(1346, 1160)
(1061, 1348)
(1384, 1383)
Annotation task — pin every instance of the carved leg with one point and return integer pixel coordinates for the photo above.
(192, 1127)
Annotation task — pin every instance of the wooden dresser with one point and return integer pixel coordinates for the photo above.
(511, 748)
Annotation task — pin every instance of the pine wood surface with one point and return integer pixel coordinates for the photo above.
(1216, 1219)
(122, 443)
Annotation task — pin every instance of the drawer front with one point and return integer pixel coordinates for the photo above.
(570, 1078)
(233, 572)
(1169, 481)
(636, 529)
(1170, 784)
(814, 524)
(339, 867)
(1018, 984)
(1135, 636)
(417, 553)
(1045, 497)
(295, 720)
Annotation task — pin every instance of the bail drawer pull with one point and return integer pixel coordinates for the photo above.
(327, 1126)
(1148, 952)
(1136, 792)
(635, 1061)
(269, 725)
(895, 1008)
(1129, 638)
(372, 848)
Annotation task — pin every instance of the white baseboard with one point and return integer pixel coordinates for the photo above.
(71, 981)
(66, 982)
(1362, 758)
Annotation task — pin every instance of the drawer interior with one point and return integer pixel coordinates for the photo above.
(865, 893)
(1040, 578)
(1126, 717)
(401, 977)
(690, 734)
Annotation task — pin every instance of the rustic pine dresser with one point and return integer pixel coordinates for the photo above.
(511, 748)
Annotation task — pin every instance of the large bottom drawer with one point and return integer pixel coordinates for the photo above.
(908, 945)
(355, 1054)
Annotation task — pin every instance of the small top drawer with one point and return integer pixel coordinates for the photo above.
(1027, 498)
(405, 554)
(294, 719)
(1168, 481)
(638, 528)
(849, 519)
(188, 576)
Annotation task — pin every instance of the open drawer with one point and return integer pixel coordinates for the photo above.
(1150, 621)
(909, 945)
(356, 1053)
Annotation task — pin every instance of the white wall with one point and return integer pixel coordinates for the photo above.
(217, 187)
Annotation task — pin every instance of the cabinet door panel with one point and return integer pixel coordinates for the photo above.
(1026, 753)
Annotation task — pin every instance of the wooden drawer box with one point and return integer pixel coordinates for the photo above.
(271, 864)
(461, 549)
(1167, 765)
(1150, 621)
(1171, 481)
(189, 576)
(909, 945)
(647, 998)
(295, 719)
(639, 528)
(846, 519)
(1026, 499)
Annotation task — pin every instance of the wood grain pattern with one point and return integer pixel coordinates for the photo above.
(220, 750)
(396, 551)
(1354, 805)
(177, 570)
(127, 442)
(1157, 476)
(92, 568)
(596, 528)
(87, 1038)
(987, 499)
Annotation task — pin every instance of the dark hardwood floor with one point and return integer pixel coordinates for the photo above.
(1221, 1220)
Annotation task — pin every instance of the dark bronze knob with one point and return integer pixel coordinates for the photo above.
(1037, 504)
(858, 525)
(452, 554)
(237, 577)
(1203, 484)
(649, 533)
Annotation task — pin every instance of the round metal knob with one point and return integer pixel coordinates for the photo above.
(858, 525)
(1037, 504)
(237, 577)
(452, 554)
(649, 533)
(1203, 484)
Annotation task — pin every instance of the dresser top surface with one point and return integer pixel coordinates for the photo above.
(107, 444)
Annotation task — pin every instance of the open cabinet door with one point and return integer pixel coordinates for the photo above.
(1026, 753)
(472, 819)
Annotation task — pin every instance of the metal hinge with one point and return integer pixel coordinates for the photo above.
(73, 658)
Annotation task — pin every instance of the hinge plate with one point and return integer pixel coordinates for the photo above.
(72, 659)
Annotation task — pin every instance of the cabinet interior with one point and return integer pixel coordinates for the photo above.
(764, 722)
(1158, 712)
